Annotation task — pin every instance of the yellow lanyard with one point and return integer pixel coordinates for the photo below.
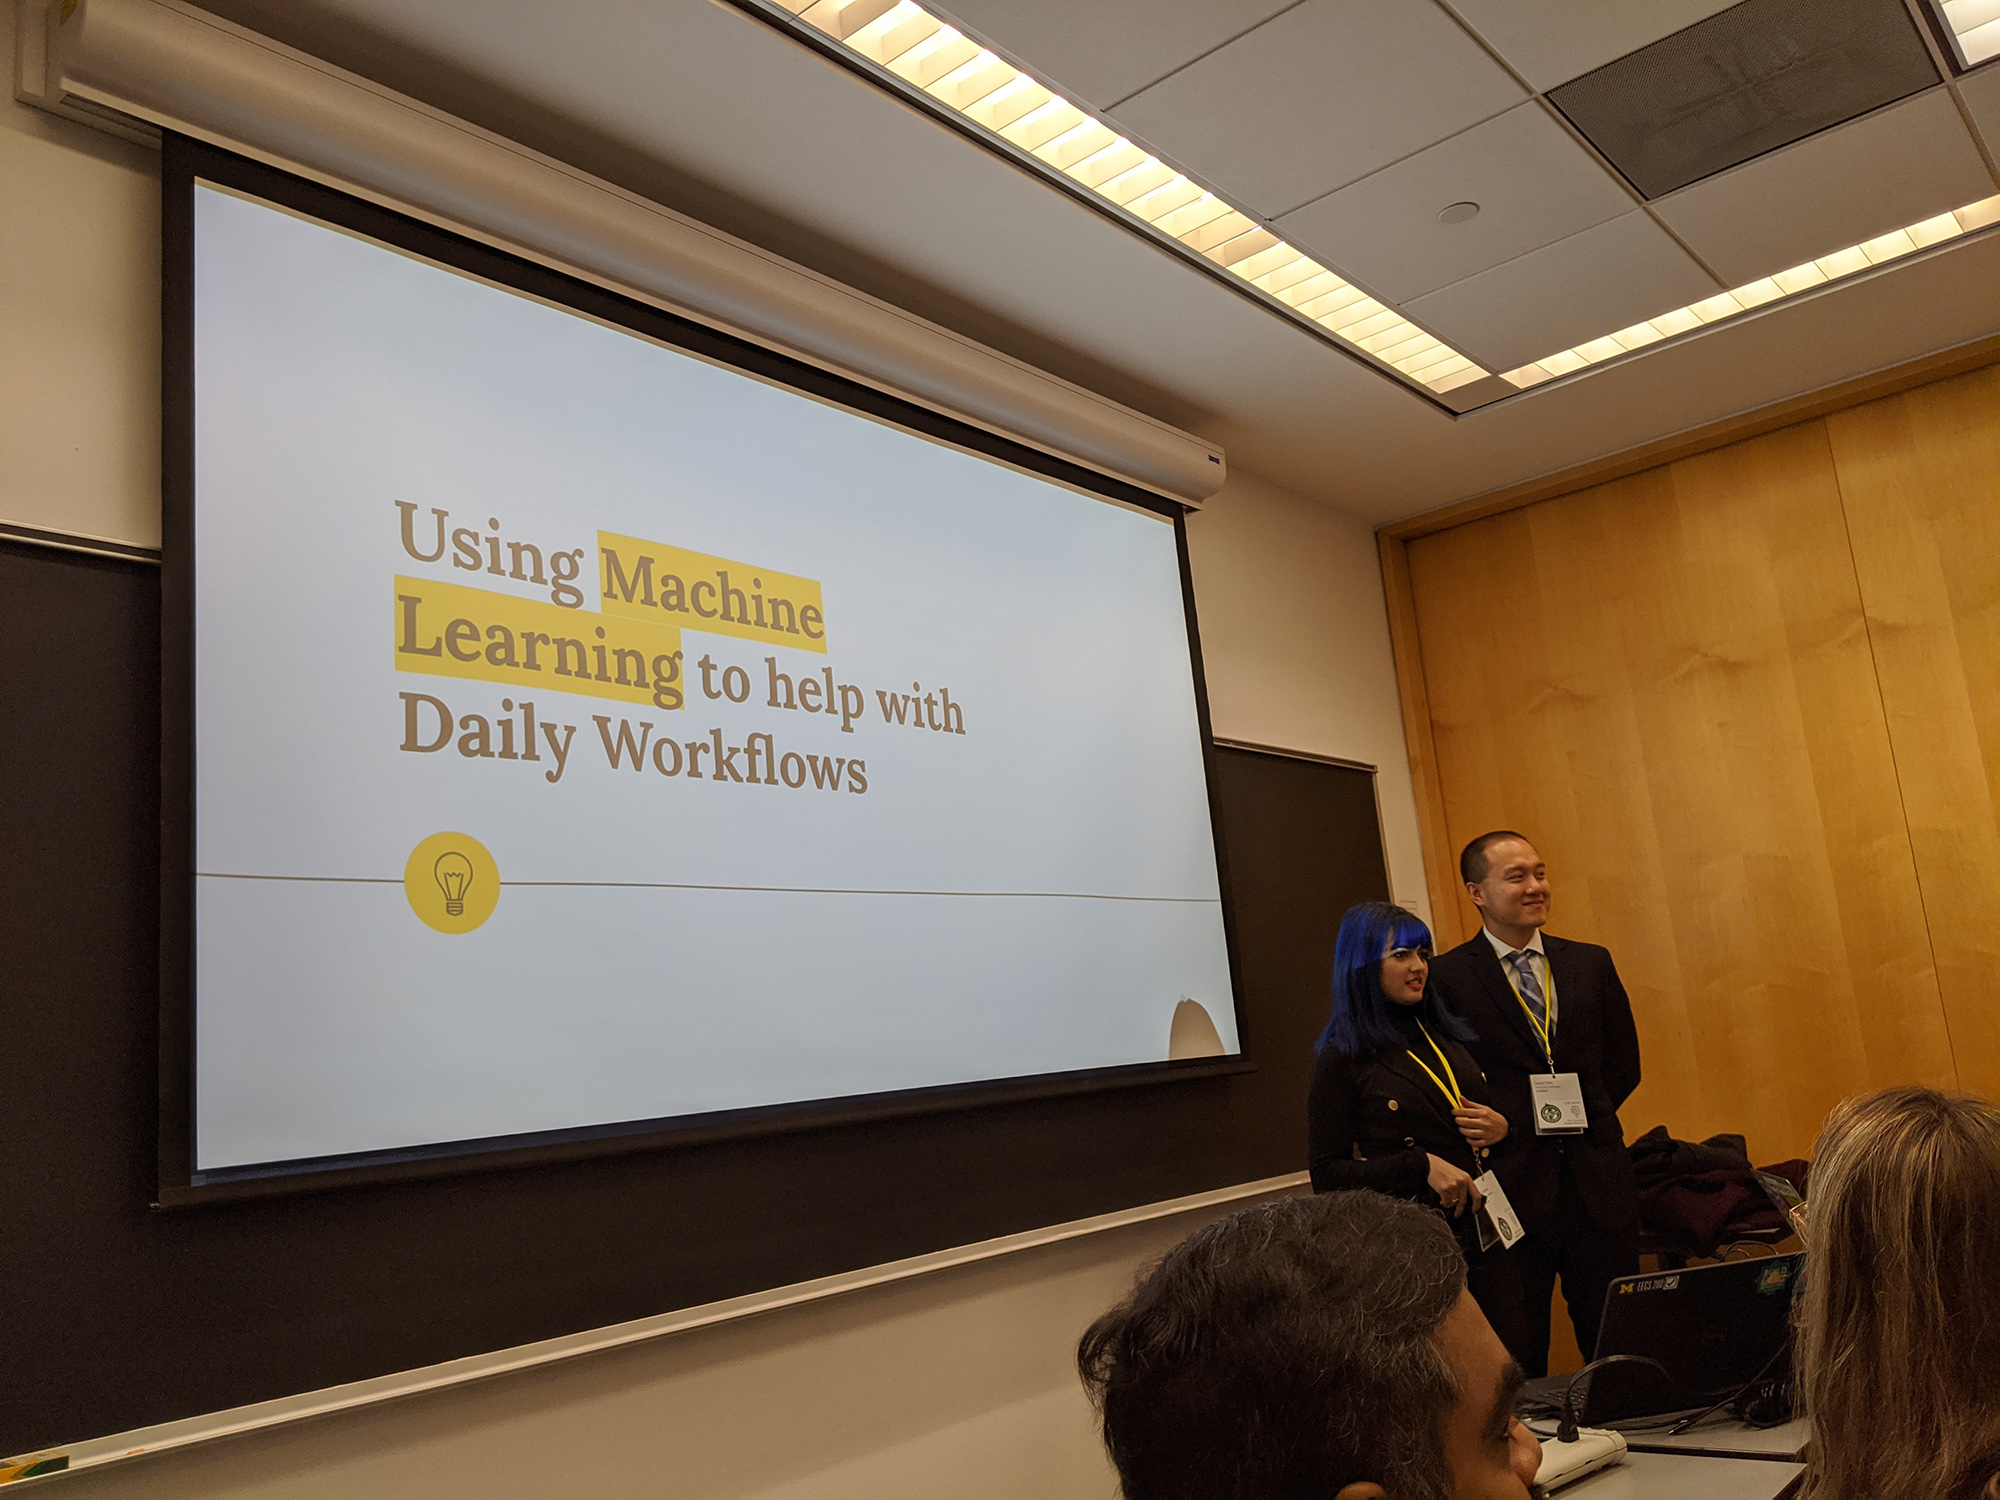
(1542, 1031)
(1450, 1090)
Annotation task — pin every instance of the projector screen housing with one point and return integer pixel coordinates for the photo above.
(187, 1174)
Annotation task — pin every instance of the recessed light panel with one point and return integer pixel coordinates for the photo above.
(1974, 29)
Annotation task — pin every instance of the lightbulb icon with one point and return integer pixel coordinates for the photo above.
(457, 866)
(454, 874)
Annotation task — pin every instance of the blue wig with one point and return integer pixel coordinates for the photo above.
(1363, 1020)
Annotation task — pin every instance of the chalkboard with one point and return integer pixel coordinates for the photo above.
(120, 1315)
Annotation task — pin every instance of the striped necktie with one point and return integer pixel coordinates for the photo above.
(1531, 986)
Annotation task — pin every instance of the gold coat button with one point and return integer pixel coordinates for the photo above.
(1409, 1140)
(1394, 1105)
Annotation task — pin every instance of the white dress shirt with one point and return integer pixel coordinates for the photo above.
(1538, 959)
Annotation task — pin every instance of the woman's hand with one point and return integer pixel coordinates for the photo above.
(1455, 1189)
(1482, 1126)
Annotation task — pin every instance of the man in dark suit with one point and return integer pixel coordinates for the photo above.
(1561, 1054)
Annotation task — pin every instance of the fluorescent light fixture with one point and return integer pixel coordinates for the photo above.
(1818, 272)
(929, 54)
(1974, 26)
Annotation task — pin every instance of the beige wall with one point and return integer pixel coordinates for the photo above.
(957, 1384)
(1295, 639)
(79, 325)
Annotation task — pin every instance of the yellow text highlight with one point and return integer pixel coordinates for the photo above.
(448, 630)
(641, 580)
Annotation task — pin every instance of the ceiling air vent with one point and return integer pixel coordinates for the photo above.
(1755, 77)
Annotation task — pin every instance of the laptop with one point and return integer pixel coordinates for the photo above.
(1699, 1334)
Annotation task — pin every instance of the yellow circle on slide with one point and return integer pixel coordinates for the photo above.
(452, 882)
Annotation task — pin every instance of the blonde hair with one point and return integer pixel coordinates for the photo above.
(1899, 1321)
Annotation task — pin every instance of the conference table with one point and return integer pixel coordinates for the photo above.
(1729, 1438)
(1686, 1476)
(1722, 1459)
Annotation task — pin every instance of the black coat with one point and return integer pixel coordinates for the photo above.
(1372, 1121)
(1596, 1039)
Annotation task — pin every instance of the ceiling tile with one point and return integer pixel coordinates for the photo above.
(1324, 94)
(1533, 183)
(1749, 81)
(1840, 187)
(1098, 52)
(1981, 93)
(1606, 278)
(1552, 41)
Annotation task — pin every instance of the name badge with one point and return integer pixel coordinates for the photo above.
(1497, 1224)
(1558, 1099)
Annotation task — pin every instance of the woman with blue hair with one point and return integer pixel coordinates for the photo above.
(1397, 1103)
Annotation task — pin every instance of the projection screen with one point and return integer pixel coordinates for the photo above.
(598, 728)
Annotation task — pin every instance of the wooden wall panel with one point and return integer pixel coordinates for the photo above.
(1450, 921)
(1920, 476)
(1666, 681)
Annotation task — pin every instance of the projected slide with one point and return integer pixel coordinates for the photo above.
(588, 733)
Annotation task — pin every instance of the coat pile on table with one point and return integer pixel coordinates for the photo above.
(1701, 1196)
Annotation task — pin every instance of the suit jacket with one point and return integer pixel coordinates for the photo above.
(1596, 1039)
(1371, 1122)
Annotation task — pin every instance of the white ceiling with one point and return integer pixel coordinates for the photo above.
(1114, 48)
(1304, 104)
(723, 116)
(1981, 94)
(1348, 125)
(1533, 182)
(1579, 288)
(1832, 190)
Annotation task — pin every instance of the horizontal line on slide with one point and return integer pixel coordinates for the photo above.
(783, 890)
